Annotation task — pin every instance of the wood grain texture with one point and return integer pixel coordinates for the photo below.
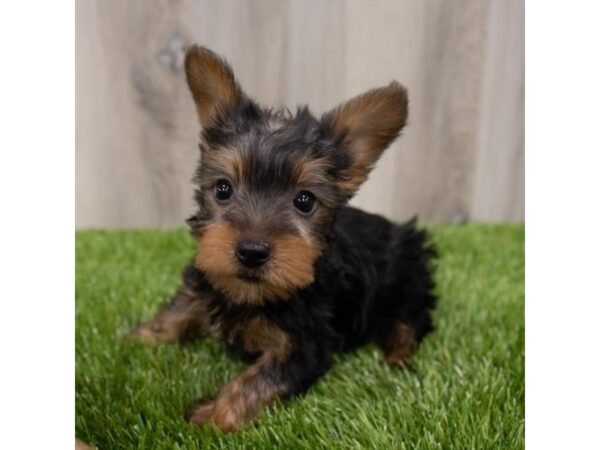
(460, 156)
(499, 185)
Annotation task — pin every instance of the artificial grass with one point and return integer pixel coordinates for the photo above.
(465, 389)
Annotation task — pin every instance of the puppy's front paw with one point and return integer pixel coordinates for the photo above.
(201, 413)
(151, 333)
(145, 334)
(215, 413)
(140, 333)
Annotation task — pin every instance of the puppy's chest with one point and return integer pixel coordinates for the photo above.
(252, 335)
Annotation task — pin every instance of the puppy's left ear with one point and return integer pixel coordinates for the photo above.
(364, 127)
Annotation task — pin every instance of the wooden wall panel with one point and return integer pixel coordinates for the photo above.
(135, 124)
(460, 157)
(499, 189)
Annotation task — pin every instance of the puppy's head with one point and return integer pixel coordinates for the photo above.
(269, 183)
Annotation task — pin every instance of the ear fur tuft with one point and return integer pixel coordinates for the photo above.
(368, 124)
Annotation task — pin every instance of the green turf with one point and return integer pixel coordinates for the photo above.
(466, 389)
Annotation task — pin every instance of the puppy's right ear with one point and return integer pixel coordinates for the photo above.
(212, 84)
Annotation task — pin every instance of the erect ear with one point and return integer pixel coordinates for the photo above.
(212, 84)
(364, 127)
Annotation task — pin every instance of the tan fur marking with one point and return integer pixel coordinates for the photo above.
(186, 315)
(213, 87)
(290, 267)
(401, 344)
(216, 258)
(259, 335)
(245, 292)
(216, 249)
(79, 445)
(354, 178)
(241, 399)
(202, 413)
(372, 121)
(311, 171)
(226, 161)
(292, 264)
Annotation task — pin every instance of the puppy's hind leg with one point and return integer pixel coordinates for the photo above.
(409, 296)
(400, 344)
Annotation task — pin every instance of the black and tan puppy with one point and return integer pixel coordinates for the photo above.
(285, 273)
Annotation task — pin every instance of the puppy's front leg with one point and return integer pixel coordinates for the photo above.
(242, 399)
(183, 318)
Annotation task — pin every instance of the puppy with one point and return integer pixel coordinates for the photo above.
(285, 273)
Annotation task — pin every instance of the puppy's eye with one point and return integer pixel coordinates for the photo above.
(223, 190)
(304, 201)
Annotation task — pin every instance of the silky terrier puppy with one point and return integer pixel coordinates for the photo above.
(285, 273)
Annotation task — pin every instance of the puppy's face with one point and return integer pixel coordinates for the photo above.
(269, 183)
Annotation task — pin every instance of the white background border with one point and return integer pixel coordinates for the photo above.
(37, 386)
(562, 148)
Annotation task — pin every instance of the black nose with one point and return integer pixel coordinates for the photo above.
(252, 253)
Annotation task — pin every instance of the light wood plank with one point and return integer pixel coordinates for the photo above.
(461, 155)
